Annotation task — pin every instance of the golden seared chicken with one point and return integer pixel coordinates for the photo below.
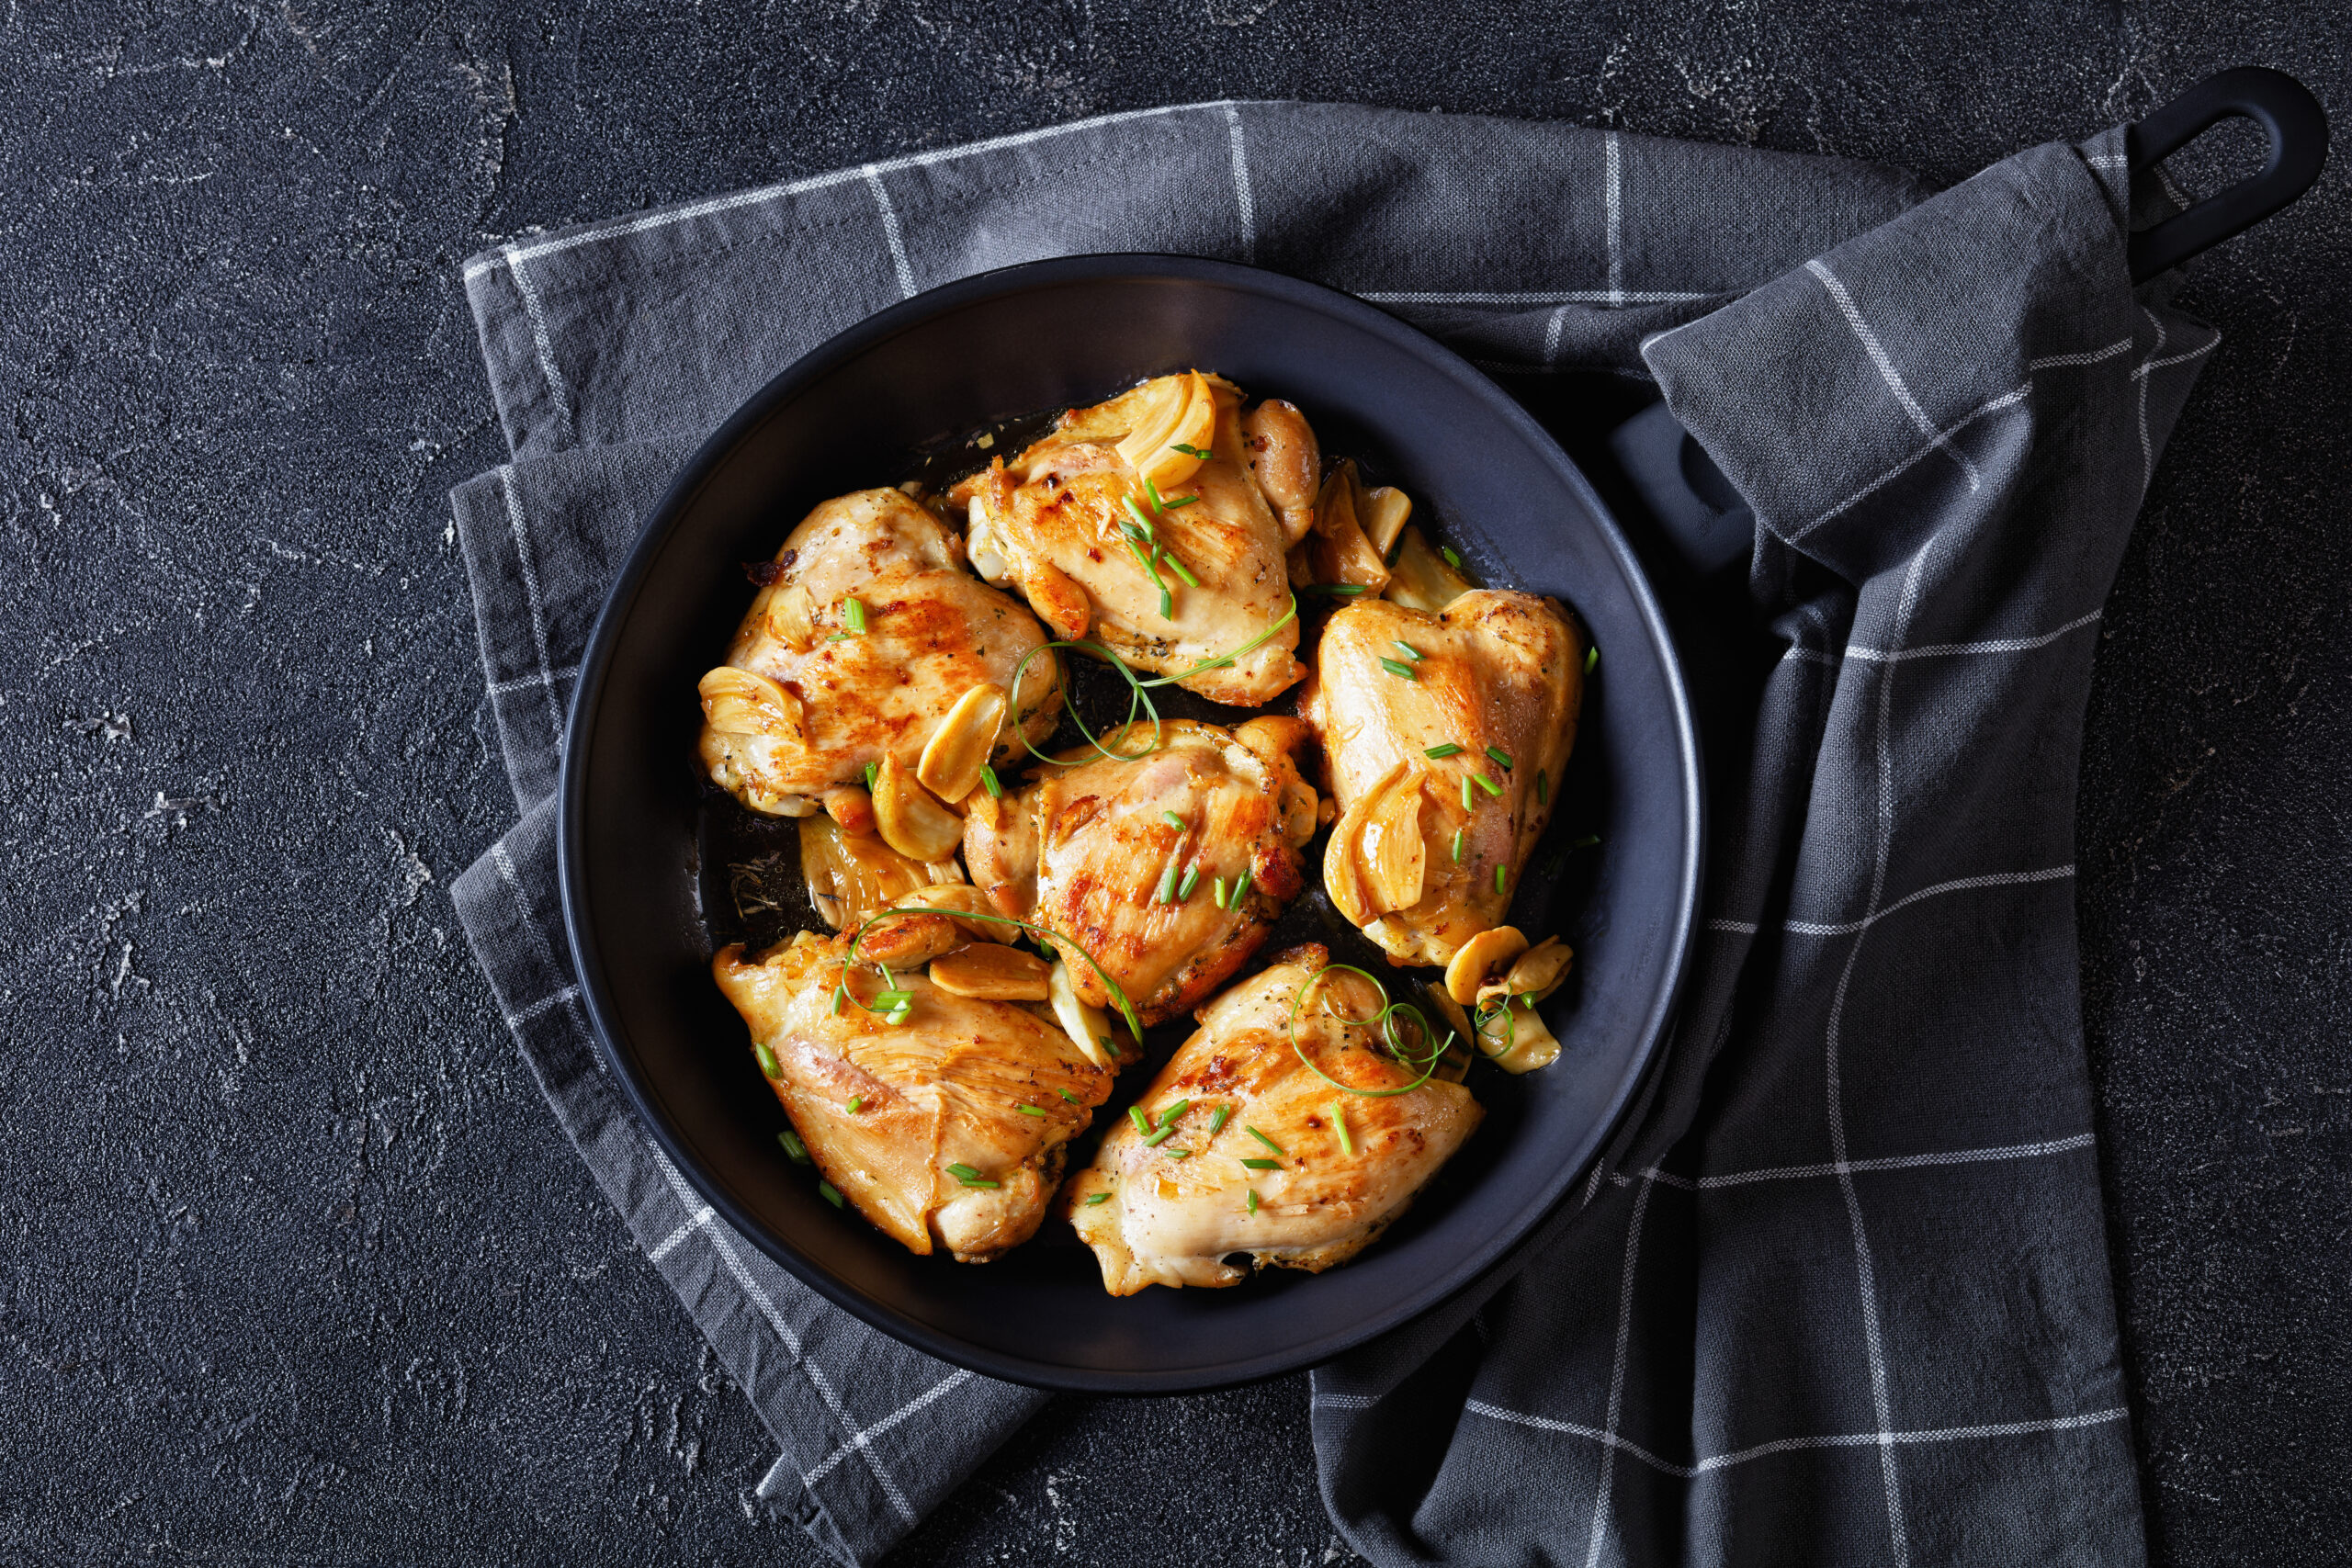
(945, 1128)
(869, 643)
(1256, 1159)
(1444, 736)
(1166, 870)
(1156, 524)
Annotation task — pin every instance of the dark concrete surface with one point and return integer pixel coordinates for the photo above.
(294, 1265)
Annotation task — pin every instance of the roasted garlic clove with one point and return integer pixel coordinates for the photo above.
(853, 875)
(1541, 969)
(1480, 957)
(910, 821)
(1383, 514)
(961, 745)
(1390, 849)
(850, 806)
(1343, 875)
(1420, 578)
(991, 972)
(1285, 459)
(1339, 551)
(1512, 1034)
(1180, 411)
(737, 702)
(967, 905)
(1088, 1026)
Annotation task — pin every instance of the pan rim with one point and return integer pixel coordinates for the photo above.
(660, 529)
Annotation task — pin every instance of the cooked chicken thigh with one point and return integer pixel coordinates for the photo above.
(1412, 709)
(814, 690)
(1137, 861)
(1100, 522)
(1170, 1211)
(946, 1128)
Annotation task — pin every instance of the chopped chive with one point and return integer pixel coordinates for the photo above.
(1502, 757)
(1142, 1122)
(1200, 451)
(1216, 1122)
(1167, 606)
(1160, 1137)
(899, 1014)
(1451, 559)
(1489, 786)
(1469, 801)
(962, 1172)
(1174, 821)
(1067, 1095)
(1415, 654)
(854, 614)
(990, 782)
(1239, 888)
(768, 1068)
(1586, 842)
(1181, 570)
(1152, 491)
(1135, 513)
(1167, 885)
(1172, 503)
(1173, 1112)
(856, 1103)
(793, 1146)
(1337, 590)
(1591, 658)
(1216, 892)
(1097, 1197)
(839, 636)
(1457, 846)
(1103, 1041)
(1339, 1123)
(1499, 869)
(1542, 788)
(1263, 1164)
(1440, 754)
(841, 994)
(873, 773)
(890, 1001)
(1252, 1204)
(1262, 1138)
(1184, 888)
(1173, 1152)
(1399, 668)
(1030, 1109)
(982, 1181)
(1136, 531)
(826, 1190)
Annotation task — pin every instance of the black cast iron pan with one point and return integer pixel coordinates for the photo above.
(652, 866)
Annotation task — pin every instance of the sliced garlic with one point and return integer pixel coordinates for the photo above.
(960, 747)
(991, 972)
(910, 821)
(1478, 957)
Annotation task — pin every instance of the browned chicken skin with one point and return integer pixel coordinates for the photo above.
(1054, 521)
(1086, 848)
(1498, 670)
(1171, 1212)
(943, 1089)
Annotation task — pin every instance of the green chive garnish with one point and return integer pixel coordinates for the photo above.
(826, 1190)
(1337, 590)
(1216, 892)
(768, 1068)
(1440, 754)
(1142, 1122)
(1415, 654)
(1502, 757)
(1252, 1204)
(1339, 1121)
(1067, 1095)
(793, 1146)
(1181, 570)
(1457, 846)
(1451, 559)
(873, 773)
(1591, 658)
(1030, 1109)
(1399, 668)
(1174, 821)
(839, 637)
(1586, 842)
(1239, 888)
(854, 614)
(1262, 1138)
(1172, 503)
(962, 1172)
(1469, 801)
(1167, 606)
(1098, 1198)
(899, 1014)
(1159, 1137)
(1542, 788)
(990, 782)
(841, 994)
(856, 1103)
(1167, 885)
(1263, 1164)
(1191, 451)
(1175, 1110)
(1216, 1122)
(1173, 1152)
(1499, 869)
(1184, 888)
(1489, 786)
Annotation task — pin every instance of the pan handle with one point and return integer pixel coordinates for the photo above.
(2287, 113)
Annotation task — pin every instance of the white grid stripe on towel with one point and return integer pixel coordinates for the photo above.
(1887, 373)
(1541, 297)
(1245, 208)
(1883, 1162)
(865, 1435)
(541, 342)
(1601, 1494)
(526, 563)
(1616, 195)
(898, 264)
(1949, 649)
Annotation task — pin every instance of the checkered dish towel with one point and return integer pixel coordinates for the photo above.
(1840, 1293)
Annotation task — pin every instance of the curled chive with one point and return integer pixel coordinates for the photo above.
(1160, 1137)
(1184, 888)
(1216, 1122)
(768, 1068)
(1142, 1122)
(1263, 1164)
(793, 1146)
(1399, 668)
(1167, 885)
(854, 614)
(990, 782)
(1174, 821)
(1439, 753)
(1216, 892)
(1252, 1204)
(826, 1190)
(1591, 658)
(1030, 1109)
(1457, 846)
(1175, 1110)
(1499, 871)
(1098, 1198)
(1451, 559)
(1415, 654)
(1339, 1121)
(856, 1103)
(1542, 788)
(1261, 1138)
(1502, 757)
(841, 994)
(1483, 781)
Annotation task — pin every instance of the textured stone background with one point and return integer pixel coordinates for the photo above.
(294, 1265)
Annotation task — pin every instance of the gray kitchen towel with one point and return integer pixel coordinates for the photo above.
(1534, 1422)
